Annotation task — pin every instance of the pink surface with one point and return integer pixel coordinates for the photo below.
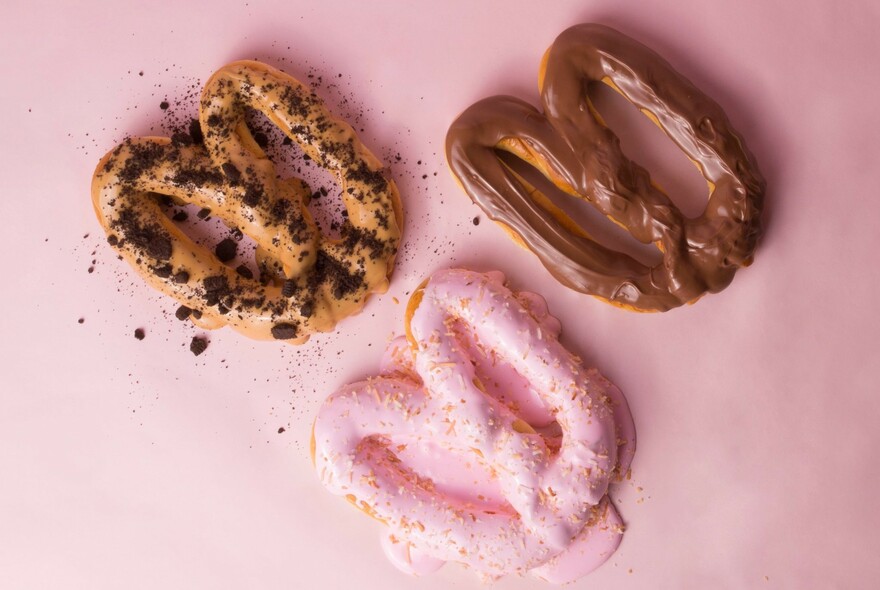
(133, 464)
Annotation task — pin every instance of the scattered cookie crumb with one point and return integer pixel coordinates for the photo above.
(284, 331)
(198, 345)
(477, 220)
(81, 320)
(281, 430)
(139, 334)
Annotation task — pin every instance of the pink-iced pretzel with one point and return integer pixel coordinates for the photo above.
(484, 441)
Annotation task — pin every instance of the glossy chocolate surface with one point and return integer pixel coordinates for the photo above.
(573, 148)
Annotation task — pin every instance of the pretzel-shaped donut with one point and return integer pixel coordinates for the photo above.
(325, 280)
(571, 146)
(485, 380)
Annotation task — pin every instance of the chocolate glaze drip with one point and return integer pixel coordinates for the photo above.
(572, 147)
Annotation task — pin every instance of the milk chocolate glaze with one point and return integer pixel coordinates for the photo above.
(573, 148)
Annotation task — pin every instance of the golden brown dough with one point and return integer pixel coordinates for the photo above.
(324, 280)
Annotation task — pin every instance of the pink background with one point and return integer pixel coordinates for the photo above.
(133, 464)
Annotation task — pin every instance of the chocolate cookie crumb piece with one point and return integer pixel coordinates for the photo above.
(203, 213)
(159, 248)
(183, 312)
(252, 196)
(216, 284)
(180, 139)
(476, 221)
(198, 345)
(112, 240)
(216, 287)
(194, 177)
(237, 235)
(197, 314)
(307, 309)
(244, 271)
(262, 139)
(226, 250)
(148, 237)
(281, 430)
(81, 320)
(231, 172)
(141, 159)
(181, 277)
(164, 105)
(286, 141)
(91, 269)
(180, 216)
(284, 331)
(195, 131)
(342, 280)
(288, 288)
(139, 334)
(163, 271)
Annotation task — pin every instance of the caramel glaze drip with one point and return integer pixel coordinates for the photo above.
(314, 281)
(571, 146)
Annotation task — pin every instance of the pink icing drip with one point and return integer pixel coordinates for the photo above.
(407, 558)
(590, 549)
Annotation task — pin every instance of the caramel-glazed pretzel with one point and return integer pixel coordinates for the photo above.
(571, 146)
(320, 280)
(482, 375)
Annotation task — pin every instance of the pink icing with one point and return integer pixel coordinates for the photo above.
(438, 446)
(407, 558)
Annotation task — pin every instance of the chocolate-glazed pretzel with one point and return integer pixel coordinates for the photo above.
(324, 280)
(571, 146)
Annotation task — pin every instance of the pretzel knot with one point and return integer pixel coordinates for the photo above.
(484, 441)
(310, 281)
(571, 146)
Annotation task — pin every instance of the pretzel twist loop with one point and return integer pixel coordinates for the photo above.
(485, 379)
(322, 280)
(571, 146)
